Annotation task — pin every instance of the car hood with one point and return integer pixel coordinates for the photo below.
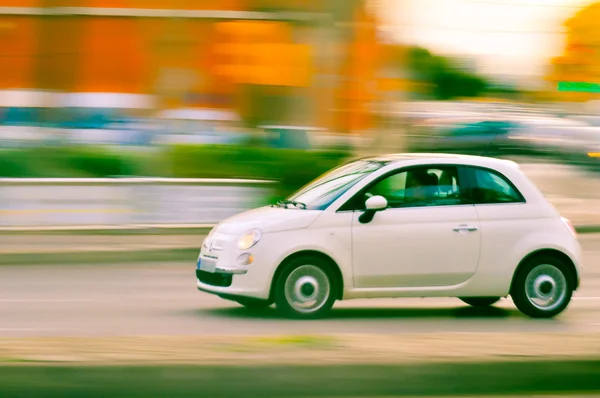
(268, 219)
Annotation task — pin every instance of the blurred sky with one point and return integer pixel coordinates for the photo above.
(507, 36)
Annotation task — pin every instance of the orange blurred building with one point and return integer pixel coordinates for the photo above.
(189, 52)
(580, 58)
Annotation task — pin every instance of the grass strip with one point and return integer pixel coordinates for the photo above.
(428, 379)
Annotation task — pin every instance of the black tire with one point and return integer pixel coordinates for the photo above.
(324, 274)
(253, 304)
(480, 302)
(524, 296)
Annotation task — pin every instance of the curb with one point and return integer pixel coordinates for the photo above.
(441, 379)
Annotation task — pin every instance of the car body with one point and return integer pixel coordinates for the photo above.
(361, 231)
(569, 141)
(582, 147)
(500, 134)
(471, 135)
(547, 136)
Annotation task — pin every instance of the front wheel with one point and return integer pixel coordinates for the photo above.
(305, 288)
(480, 302)
(542, 288)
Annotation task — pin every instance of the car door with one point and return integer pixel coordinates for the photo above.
(419, 240)
(505, 217)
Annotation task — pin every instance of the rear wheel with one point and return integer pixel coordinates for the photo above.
(306, 288)
(542, 287)
(480, 302)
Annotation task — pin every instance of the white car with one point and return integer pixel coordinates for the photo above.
(407, 225)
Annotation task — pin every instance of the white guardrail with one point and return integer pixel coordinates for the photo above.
(122, 202)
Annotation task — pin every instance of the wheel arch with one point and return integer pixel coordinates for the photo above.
(566, 259)
(334, 267)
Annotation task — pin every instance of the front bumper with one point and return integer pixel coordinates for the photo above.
(216, 279)
(228, 285)
(219, 270)
(252, 281)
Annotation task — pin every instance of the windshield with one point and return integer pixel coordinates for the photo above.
(323, 191)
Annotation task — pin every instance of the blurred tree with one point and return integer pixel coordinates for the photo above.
(443, 80)
(450, 84)
(420, 63)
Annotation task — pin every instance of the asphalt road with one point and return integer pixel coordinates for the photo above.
(161, 299)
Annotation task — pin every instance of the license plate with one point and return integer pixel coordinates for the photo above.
(207, 265)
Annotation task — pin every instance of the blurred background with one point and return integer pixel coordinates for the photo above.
(280, 91)
(121, 118)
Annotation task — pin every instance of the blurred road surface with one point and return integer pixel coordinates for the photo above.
(161, 299)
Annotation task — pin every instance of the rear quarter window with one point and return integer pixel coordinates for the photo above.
(491, 187)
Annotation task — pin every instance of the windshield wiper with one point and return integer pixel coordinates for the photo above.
(285, 203)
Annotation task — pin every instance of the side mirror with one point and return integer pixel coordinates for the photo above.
(376, 203)
(373, 205)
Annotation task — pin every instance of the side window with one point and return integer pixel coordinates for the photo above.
(491, 187)
(422, 186)
(392, 187)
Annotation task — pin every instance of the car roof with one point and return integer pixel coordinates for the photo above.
(420, 158)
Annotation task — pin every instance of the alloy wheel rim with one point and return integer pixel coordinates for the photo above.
(546, 287)
(307, 289)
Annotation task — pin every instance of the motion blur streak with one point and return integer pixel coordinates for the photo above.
(128, 128)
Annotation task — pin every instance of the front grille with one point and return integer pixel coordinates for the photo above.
(213, 244)
(220, 280)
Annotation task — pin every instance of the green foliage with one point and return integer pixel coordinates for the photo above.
(420, 62)
(11, 165)
(447, 81)
(74, 162)
(97, 162)
(290, 168)
(453, 84)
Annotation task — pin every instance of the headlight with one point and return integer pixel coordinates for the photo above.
(249, 239)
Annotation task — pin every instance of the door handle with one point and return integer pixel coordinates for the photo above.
(468, 228)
